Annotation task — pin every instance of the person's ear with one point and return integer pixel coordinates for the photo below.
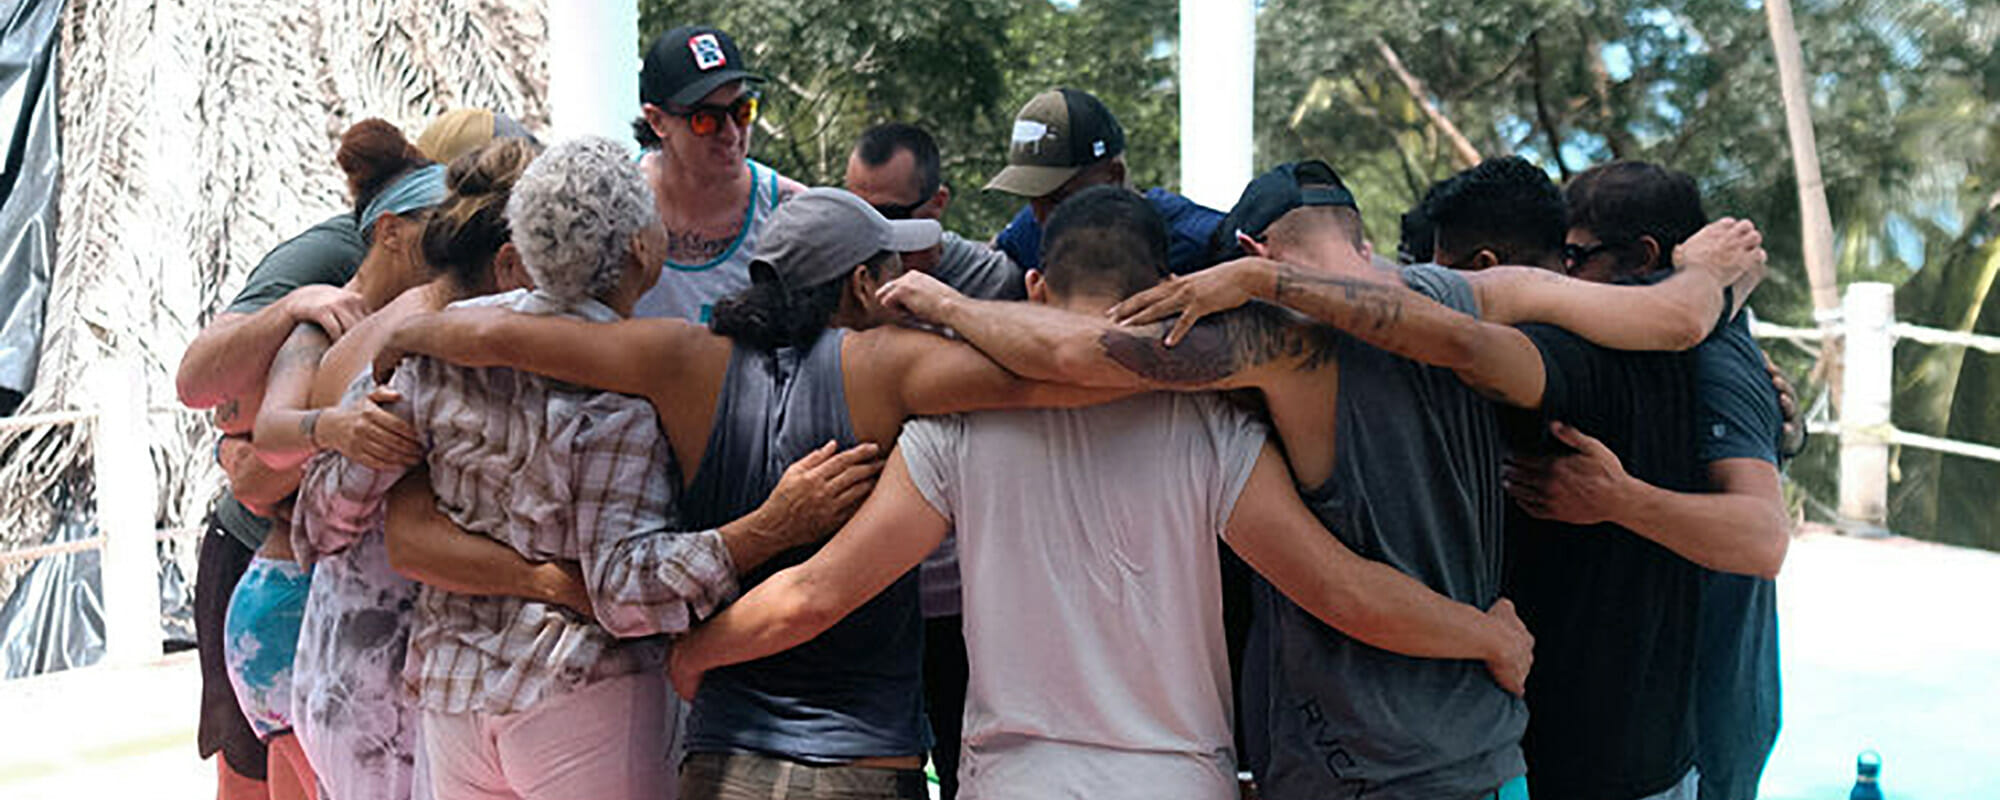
(942, 199)
(656, 118)
(1038, 288)
(1484, 259)
(1367, 249)
(862, 286)
(1117, 171)
(1649, 254)
(508, 271)
(389, 228)
(1251, 246)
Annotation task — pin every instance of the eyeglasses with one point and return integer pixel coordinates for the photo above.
(893, 211)
(705, 119)
(1575, 255)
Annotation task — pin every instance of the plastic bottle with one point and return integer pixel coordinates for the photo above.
(1867, 767)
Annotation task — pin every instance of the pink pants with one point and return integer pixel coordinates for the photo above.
(611, 740)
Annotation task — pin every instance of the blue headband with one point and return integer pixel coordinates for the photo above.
(419, 188)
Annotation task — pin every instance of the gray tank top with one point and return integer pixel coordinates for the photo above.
(1417, 486)
(857, 689)
(689, 291)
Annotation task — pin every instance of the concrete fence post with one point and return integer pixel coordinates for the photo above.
(1868, 310)
(126, 497)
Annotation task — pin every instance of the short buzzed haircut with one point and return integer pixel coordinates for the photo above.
(1505, 205)
(1624, 200)
(1104, 239)
(879, 144)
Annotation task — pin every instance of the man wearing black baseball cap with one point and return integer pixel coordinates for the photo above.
(698, 101)
(1064, 141)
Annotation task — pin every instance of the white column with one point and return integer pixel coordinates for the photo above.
(1218, 66)
(1868, 310)
(126, 498)
(593, 68)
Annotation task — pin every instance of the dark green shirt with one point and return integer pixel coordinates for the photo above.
(325, 253)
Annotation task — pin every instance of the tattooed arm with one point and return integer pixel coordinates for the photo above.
(1237, 350)
(290, 429)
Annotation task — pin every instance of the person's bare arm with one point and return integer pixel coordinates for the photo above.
(285, 433)
(936, 375)
(224, 367)
(1739, 527)
(1495, 360)
(254, 484)
(1372, 602)
(890, 535)
(426, 546)
(632, 356)
(1040, 343)
(1674, 314)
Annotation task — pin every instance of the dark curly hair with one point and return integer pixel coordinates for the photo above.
(768, 315)
(1505, 205)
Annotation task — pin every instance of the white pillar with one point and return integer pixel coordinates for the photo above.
(593, 68)
(1218, 67)
(1868, 310)
(126, 498)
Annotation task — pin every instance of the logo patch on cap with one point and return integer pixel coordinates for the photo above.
(707, 52)
(1028, 131)
(1097, 148)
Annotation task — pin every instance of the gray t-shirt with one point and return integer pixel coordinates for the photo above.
(1093, 605)
(1416, 485)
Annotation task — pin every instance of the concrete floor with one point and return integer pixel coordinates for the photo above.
(1887, 644)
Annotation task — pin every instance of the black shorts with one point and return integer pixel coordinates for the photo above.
(222, 562)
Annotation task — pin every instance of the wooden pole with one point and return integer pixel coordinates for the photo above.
(1816, 223)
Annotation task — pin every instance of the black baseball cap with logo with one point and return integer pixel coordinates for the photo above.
(686, 63)
(1056, 135)
(1274, 194)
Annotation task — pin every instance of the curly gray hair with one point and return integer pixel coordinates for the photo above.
(574, 213)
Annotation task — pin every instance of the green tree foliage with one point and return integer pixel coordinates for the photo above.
(1905, 93)
(960, 68)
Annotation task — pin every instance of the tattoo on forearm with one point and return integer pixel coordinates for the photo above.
(1221, 346)
(228, 410)
(1362, 306)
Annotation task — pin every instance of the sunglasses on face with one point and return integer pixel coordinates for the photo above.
(892, 211)
(705, 119)
(1576, 255)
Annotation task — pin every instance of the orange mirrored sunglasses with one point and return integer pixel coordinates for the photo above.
(706, 119)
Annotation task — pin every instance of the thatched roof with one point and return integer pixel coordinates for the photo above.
(195, 135)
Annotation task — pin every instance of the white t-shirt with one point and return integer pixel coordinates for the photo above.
(1093, 606)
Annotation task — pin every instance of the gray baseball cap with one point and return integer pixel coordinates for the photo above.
(824, 233)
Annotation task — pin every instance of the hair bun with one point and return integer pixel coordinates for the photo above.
(372, 153)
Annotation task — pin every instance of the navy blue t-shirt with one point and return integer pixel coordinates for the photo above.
(1189, 224)
(1737, 695)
